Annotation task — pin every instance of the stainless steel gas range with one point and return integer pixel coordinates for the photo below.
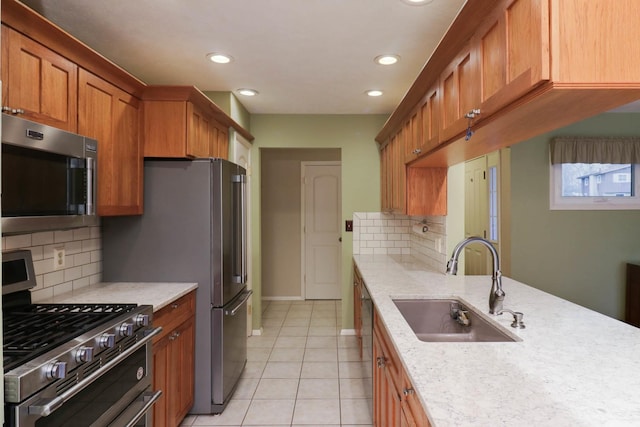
(73, 364)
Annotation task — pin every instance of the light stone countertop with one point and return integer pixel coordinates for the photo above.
(150, 293)
(574, 366)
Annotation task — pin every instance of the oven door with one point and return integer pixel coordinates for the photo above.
(119, 397)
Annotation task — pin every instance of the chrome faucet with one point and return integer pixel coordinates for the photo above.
(496, 297)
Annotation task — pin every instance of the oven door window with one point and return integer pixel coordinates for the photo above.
(102, 401)
(38, 183)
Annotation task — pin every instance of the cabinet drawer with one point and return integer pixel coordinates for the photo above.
(174, 314)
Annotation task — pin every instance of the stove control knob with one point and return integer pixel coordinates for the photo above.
(142, 320)
(107, 341)
(84, 354)
(56, 370)
(125, 330)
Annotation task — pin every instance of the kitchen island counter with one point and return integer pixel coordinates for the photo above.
(572, 366)
(150, 293)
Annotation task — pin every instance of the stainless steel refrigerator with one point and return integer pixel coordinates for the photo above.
(193, 230)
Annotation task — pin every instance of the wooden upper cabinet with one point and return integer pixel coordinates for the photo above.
(181, 122)
(430, 120)
(512, 48)
(38, 83)
(112, 117)
(458, 88)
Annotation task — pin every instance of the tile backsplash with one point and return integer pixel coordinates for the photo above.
(383, 233)
(83, 259)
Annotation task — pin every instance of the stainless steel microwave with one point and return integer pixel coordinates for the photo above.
(48, 177)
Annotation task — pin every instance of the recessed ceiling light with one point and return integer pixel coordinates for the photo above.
(219, 58)
(247, 92)
(417, 2)
(374, 92)
(386, 59)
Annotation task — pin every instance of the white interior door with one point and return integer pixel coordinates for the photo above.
(241, 155)
(321, 231)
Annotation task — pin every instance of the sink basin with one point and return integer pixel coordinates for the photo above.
(430, 320)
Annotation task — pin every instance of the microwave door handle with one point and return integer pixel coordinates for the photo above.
(240, 229)
(90, 190)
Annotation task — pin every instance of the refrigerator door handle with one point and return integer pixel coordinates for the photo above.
(243, 299)
(240, 231)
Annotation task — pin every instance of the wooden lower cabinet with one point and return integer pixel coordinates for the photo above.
(394, 401)
(173, 362)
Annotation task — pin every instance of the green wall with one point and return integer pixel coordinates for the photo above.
(354, 136)
(576, 255)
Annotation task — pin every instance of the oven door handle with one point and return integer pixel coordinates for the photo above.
(152, 399)
(46, 407)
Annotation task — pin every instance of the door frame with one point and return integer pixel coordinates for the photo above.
(303, 240)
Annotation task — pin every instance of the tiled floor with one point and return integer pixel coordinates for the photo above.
(301, 371)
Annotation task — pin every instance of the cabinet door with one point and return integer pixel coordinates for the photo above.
(161, 381)
(458, 87)
(198, 133)
(223, 143)
(513, 52)
(182, 368)
(413, 132)
(430, 120)
(385, 176)
(357, 307)
(398, 171)
(386, 400)
(38, 81)
(111, 116)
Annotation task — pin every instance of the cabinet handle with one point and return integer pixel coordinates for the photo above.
(174, 306)
(174, 335)
(408, 391)
(417, 151)
(381, 362)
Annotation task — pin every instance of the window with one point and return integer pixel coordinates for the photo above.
(595, 173)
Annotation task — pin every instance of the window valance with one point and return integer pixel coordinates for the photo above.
(578, 149)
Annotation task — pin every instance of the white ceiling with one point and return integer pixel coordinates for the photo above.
(303, 56)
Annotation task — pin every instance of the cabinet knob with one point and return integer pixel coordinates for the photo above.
(408, 391)
(417, 151)
(174, 306)
(380, 362)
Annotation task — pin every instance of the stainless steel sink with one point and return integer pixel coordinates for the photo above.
(433, 320)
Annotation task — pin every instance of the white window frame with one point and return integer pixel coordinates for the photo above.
(558, 202)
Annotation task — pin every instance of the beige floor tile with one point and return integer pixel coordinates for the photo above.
(328, 343)
(246, 388)
(349, 355)
(320, 355)
(294, 331)
(322, 331)
(291, 342)
(319, 370)
(277, 388)
(299, 314)
(253, 369)
(258, 354)
(355, 388)
(272, 322)
(260, 341)
(355, 411)
(286, 355)
(188, 421)
(351, 370)
(313, 388)
(282, 370)
(347, 341)
(323, 322)
(296, 321)
(317, 411)
(233, 415)
(266, 412)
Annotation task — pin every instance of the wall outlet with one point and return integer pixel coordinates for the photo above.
(348, 225)
(58, 258)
